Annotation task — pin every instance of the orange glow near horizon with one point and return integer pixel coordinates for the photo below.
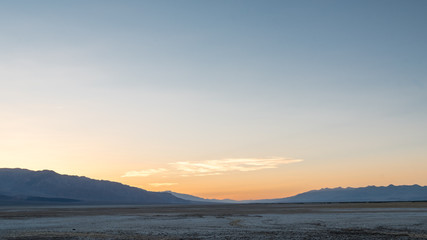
(232, 179)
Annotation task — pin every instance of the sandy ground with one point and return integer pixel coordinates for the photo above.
(242, 221)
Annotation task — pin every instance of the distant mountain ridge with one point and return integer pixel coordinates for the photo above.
(389, 193)
(199, 199)
(22, 185)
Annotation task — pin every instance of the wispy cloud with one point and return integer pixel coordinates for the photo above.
(162, 184)
(215, 167)
(144, 173)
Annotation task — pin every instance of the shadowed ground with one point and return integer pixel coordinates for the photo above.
(241, 221)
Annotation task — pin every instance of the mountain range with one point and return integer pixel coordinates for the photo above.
(389, 193)
(21, 186)
(25, 186)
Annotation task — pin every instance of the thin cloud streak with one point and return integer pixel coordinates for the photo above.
(144, 173)
(215, 167)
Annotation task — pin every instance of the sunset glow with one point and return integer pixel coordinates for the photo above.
(218, 99)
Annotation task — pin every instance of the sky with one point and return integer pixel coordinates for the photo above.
(219, 99)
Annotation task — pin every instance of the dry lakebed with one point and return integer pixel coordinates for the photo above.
(401, 220)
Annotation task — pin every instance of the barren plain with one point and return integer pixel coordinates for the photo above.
(403, 220)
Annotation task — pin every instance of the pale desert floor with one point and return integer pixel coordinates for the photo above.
(241, 221)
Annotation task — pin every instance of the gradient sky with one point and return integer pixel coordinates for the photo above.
(225, 99)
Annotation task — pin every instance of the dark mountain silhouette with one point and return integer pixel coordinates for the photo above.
(389, 193)
(21, 186)
(199, 199)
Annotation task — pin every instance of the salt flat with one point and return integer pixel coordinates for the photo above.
(228, 221)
